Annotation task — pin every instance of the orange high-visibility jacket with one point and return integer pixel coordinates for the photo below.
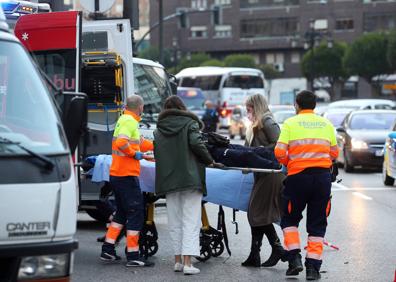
(126, 141)
(306, 140)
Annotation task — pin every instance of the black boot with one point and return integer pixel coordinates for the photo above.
(295, 265)
(311, 272)
(254, 256)
(277, 254)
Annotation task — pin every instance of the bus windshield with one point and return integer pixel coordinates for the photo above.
(27, 113)
(152, 84)
(204, 82)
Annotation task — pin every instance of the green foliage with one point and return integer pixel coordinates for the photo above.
(391, 52)
(270, 72)
(240, 60)
(195, 61)
(367, 56)
(152, 53)
(325, 62)
(212, 63)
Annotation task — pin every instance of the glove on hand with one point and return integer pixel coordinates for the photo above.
(138, 156)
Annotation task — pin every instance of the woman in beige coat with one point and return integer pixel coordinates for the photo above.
(264, 206)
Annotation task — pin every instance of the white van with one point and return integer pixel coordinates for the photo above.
(226, 87)
(38, 203)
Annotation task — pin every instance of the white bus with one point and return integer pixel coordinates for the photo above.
(226, 87)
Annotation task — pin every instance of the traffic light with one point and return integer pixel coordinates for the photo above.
(183, 19)
(216, 15)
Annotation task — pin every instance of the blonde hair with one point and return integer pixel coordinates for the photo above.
(260, 108)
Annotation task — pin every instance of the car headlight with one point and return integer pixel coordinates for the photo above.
(358, 144)
(48, 266)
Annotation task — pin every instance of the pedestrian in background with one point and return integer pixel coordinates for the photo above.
(307, 145)
(210, 117)
(181, 157)
(265, 200)
(127, 148)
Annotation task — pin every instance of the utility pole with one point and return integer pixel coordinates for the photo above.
(161, 31)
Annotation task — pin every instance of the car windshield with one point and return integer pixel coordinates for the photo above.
(152, 84)
(336, 118)
(203, 82)
(372, 121)
(194, 103)
(27, 113)
(281, 116)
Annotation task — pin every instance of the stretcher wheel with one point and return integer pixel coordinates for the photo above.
(217, 248)
(206, 253)
(152, 248)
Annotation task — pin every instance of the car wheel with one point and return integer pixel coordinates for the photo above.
(243, 137)
(388, 181)
(232, 136)
(97, 215)
(347, 166)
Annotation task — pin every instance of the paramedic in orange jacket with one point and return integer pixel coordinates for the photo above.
(307, 145)
(127, 148)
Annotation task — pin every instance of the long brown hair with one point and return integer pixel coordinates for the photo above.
(175, 103)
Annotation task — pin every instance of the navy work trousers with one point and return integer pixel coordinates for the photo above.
(129, 202)
(312, 189)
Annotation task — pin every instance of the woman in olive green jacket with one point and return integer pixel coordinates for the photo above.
(181, 156)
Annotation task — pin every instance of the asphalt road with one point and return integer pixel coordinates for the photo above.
(362, 224)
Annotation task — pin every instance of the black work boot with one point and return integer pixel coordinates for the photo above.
(254, 256)
(295, 265)
(311, 272)
(277, 254)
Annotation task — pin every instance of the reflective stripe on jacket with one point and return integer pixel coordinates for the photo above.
(126, 141)
(306, 140)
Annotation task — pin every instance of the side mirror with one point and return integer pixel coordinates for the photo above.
(341, 130)
(173, 83)
(74, 113)
(392, 135)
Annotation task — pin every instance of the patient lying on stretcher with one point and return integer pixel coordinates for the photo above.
(239, 156)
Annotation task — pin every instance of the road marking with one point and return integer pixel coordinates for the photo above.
(364, 189)
(340, 186)
(360, 195)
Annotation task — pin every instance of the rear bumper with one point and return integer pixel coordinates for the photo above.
(38, 249)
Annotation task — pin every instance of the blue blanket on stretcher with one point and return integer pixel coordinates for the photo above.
(229, 188)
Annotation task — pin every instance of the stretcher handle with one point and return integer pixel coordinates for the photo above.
(247, 169)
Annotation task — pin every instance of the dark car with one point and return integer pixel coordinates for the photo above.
(361, 138)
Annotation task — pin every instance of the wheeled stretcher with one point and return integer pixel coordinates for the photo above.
(229, 187)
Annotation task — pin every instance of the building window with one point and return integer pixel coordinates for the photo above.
(248, 4)
(379, 21)
(274, 58)
(344, 24)
(295, 58)
(269, 27)
(222, 2)
(199, 4)
(223, 31)
(350, 89)
(199, 32)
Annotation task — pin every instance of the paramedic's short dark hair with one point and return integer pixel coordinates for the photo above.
(306, 100)
(174, 102)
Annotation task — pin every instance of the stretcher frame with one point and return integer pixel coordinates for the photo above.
(248, 169)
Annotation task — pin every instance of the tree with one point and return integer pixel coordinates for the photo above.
(212, 63)
(194, 61)
(391, 52)
(325, 62)
(240, 60)
(152, 53)
(270, 73)
(367, 57)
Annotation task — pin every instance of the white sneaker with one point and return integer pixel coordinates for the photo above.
(178, 267)
(190, 270)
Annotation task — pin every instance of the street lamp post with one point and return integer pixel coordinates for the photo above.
(312, 39)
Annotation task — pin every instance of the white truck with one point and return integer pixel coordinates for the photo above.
(38, 203)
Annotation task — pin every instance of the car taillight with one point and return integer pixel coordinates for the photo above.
(225, 112)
